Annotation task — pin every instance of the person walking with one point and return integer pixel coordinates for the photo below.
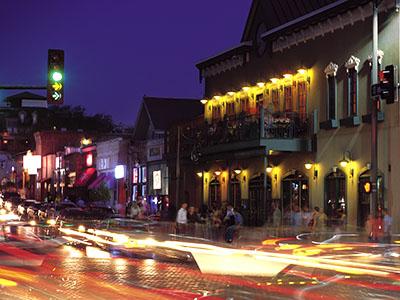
(319, 221)
(233, 220)
(387, 226)
(181, 219)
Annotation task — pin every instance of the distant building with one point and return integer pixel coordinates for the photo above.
(155, 117)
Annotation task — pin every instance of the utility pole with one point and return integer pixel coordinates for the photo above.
(178, 167)
(374, 113)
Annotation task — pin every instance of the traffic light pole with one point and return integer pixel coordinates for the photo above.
(374, 114)
(23, 87)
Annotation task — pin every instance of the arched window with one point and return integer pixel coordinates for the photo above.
(215, 193)
(235, 192)
(257, 208)
(335, 196)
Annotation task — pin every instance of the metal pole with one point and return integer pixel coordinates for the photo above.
(374, 111)
(178, 169)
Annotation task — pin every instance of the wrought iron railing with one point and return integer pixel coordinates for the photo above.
(286, 125)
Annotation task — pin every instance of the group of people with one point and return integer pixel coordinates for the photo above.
(303, 220)
(226, 219)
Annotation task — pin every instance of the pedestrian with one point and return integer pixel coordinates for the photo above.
(369, 227)
(134, 211)
(307, 217)
(319, 221)
(276, 216)
(216, 223)
(297, 219)
(233, 220)
(387, 226)
(192, 219)
(181, 219)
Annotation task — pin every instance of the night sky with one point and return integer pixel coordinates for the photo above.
(116, 51)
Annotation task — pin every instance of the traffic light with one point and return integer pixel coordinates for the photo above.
(367, 187)
(55, 77)
(388, 84)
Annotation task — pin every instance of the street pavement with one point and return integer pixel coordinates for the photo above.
(161, 266)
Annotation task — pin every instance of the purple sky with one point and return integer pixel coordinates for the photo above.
(116, 50)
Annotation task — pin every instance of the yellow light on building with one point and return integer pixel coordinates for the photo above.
(199, 174)
(287, 76)
(261, 84)
(246, 88)
(237, 171)
(308, 165)
(86, 142)
(274, 80)
(343, 163)
(217, 97)
(231, 93)
(302, 71)
(203, 101)
(269, 169)
(217, 173)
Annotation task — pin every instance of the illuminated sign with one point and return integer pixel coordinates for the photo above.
(157, 180)
(89, 160)
(119, 172)
(144, 174)
(135, 175)
(32, 163)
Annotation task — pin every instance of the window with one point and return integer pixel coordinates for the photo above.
(302, 100)
(288, 96)
(335, 197)
(245, 104)
(216, 113)
(230, 108)
(331, 113)
(352, 97)
(275, 99)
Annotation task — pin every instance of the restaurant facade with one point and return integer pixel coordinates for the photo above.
(287, 112)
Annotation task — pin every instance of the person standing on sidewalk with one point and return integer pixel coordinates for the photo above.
(387, 226)
(181, 219)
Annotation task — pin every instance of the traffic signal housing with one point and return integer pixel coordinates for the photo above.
(367, 186)
(388, 84)
(55, 77)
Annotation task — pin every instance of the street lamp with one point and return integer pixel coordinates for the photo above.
(346, 159)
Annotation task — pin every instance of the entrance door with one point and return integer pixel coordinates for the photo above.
(257, 208)
(294, 195)
(335, 196)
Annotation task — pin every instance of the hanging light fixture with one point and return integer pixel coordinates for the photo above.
(261, 84)
(308, 165)
(269, 169)
(200, 174)
(346, 159)
(217, 173)
(203, 101)
(274, 80)
(237, 171)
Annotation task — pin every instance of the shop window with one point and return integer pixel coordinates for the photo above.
(352, 95)
(275, 99)
(288, 96)
(302, 99)
(335, 197)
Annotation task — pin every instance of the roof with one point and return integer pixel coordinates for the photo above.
(161, 113)
(164, 112)
(279, 12)
(25, 95)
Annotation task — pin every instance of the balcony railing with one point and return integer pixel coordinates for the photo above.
(286, 125)
(282, 125)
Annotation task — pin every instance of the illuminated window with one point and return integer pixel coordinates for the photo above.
(288, 96)
(275, 99)
(230, 108)
(352, 95)
(245, 104)
(302, 99)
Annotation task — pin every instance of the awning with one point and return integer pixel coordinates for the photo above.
(85, 177)
(97, 182)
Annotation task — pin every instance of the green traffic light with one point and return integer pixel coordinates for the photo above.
(57, 76)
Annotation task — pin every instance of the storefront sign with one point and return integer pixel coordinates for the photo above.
(157, 180)
(119, 172)
(135, 175)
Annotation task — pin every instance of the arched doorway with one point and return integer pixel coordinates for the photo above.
(294, 194)
(256, 208)
(235, 194)
(335, 196)
(363, 207)
(215, 193)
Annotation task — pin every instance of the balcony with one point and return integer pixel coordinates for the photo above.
(282, 131)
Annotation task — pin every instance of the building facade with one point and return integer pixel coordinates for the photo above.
(287, 112)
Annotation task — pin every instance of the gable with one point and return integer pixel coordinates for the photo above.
(142, 124)
(275, 13)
